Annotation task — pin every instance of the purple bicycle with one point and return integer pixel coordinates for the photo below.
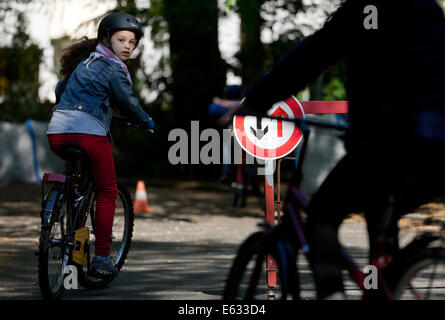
(267, 263)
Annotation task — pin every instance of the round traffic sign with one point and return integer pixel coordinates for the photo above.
(270, 139)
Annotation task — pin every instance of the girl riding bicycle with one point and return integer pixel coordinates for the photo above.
(97, 81)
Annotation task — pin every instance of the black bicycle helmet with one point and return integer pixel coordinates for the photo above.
(118, 21)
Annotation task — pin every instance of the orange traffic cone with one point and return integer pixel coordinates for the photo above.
(141, 202)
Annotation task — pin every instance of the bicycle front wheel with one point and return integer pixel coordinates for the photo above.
(261, 271)
(422, 276)
(121, 238)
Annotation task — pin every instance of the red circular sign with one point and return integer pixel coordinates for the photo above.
(270, 139)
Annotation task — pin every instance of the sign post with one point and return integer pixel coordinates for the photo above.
(273, 139)
(271, 265)
(270, 139)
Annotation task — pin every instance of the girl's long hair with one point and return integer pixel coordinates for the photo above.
(75, 53)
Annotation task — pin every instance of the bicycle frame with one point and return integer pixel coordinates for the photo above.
(296, 200)
(283, 240)
(77, 191)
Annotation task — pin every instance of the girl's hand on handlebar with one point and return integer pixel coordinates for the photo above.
(150, 124)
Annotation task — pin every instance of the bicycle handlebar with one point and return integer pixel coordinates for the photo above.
(127, 122)
(303, 123)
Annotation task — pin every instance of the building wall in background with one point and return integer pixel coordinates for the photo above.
(25, 152)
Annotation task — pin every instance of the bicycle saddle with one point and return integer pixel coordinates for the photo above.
(73, 153)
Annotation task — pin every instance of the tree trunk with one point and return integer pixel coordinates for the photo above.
(198, 71)
(252, 50)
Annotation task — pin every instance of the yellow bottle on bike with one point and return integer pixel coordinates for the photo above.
(81, 246)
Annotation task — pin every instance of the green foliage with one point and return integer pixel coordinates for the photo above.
(334, 83)
(251, 54)
(282, 40)
(334, 90)
(230, 4)
(19, 79)
(330, 85)
(257, 15)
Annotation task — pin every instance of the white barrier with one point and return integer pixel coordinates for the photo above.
(24, 152)
(324, 150)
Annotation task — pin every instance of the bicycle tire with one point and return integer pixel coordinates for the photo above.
(50, 288)
(421, 275)
(119, 249)
(247, 278)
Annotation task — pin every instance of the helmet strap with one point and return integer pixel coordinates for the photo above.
(108, 44)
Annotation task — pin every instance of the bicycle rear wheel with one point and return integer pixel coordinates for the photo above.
(248, 276)
(53, 254)
(121, 238)
(422, 275)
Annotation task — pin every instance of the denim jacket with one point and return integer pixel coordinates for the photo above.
(90, 89)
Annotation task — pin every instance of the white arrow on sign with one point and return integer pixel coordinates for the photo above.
(270, 139)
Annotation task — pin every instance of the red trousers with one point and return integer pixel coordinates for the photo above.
(101, 165)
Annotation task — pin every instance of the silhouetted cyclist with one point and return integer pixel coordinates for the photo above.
(395, 56)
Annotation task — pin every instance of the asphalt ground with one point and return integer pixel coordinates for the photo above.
(181, 251)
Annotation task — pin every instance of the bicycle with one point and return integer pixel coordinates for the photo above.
(267, 262)
(67, 227)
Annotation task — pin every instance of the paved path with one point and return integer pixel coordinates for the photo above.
(182, 251)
